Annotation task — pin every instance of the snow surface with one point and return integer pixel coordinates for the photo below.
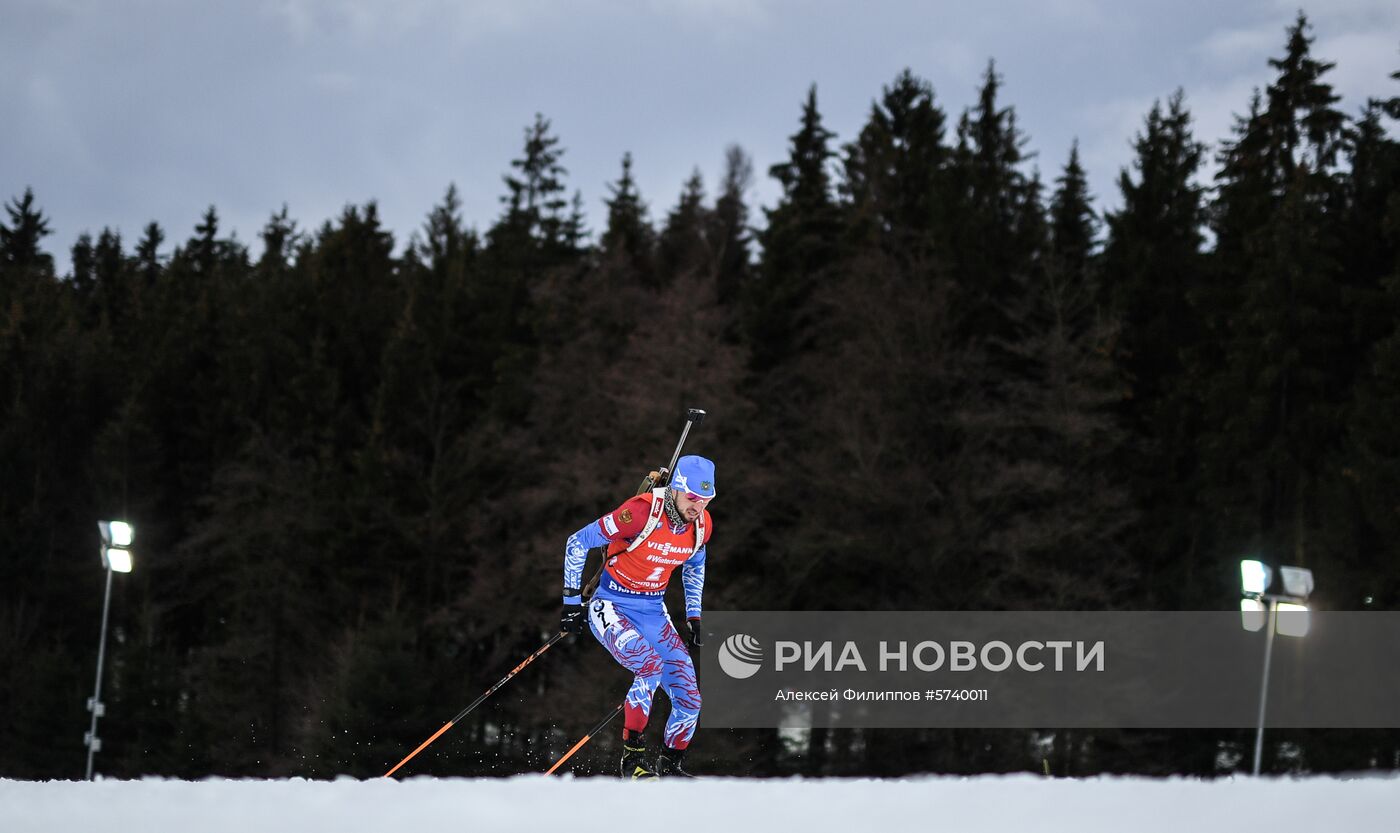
(986, 803)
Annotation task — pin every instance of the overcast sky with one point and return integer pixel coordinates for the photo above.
(119, 112)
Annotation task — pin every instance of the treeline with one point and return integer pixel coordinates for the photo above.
(936, 381)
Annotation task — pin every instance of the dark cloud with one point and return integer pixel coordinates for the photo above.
(120, 113)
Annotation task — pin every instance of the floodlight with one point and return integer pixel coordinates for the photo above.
(1297, 581)
(1252, 614)
(1293, 619)
(1255, 576)
(116, 533)
(118, 559)
(121, 534)
(1290, 617)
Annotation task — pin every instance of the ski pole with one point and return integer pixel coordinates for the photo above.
(595, 730)
(492, 690)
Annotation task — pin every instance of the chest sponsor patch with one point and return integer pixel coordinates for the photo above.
(667, 549)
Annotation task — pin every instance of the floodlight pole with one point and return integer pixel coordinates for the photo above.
(95, 704)
(1264, 685)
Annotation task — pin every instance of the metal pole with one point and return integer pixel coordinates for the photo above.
(95, 704)
(1264, 685)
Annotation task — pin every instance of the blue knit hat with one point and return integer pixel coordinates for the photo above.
(694, 474)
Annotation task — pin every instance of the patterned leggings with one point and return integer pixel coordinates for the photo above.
(639, 634)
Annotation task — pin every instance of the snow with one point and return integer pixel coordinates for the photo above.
(533, 802)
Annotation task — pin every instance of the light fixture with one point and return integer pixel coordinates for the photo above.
(1255, 578)
(1297, 581)
(1293, 619)
(121, 533)
(1284, 613)
(116, 558)
(1253, 614)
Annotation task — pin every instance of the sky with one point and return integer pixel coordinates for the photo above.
(986, 804)
(120, 112)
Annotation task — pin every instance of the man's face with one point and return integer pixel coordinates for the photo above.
(690, 505)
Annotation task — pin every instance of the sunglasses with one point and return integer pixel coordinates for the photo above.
(701, 499)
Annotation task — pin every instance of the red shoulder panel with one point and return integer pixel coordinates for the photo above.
(627, 520)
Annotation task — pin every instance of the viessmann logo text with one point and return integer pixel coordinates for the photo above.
(741, 656)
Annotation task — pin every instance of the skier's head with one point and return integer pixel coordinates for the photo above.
(693, 483)
(695, 476)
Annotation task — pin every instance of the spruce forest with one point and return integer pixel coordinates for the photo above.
(935, 381)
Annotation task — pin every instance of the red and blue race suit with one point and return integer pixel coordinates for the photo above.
(628, 614)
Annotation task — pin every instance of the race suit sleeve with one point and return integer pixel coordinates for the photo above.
(693, 580)
(624, 522)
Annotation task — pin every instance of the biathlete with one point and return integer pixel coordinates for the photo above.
(647, 538)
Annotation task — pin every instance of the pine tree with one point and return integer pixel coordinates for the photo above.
(148, 261)
(98, 280)
(20, 239)
(83, 278)
(1273, 407)
(1372, 254)
(1057, 508)
(357, 285)
(204, 250)
(684, 241)
(788, 316)
(280, 239)
(729, 234)
(43, 432)
(996, 217)
(1152, 260)
(535, 204)
(1367, 252)
(112, 276)
(714, 240)
(799, 242)
(529, 244)
(1073, 222)
(1374, 469)
(1152, 271)
(895, 170)
(263, 578)
(888, 456)
(575, 230)
(415, 471)
(629, 235)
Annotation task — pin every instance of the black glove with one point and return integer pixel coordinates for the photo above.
(697, 636)
(571, 619)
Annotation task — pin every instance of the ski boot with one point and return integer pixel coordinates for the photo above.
(637, 765)
(668, 763)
